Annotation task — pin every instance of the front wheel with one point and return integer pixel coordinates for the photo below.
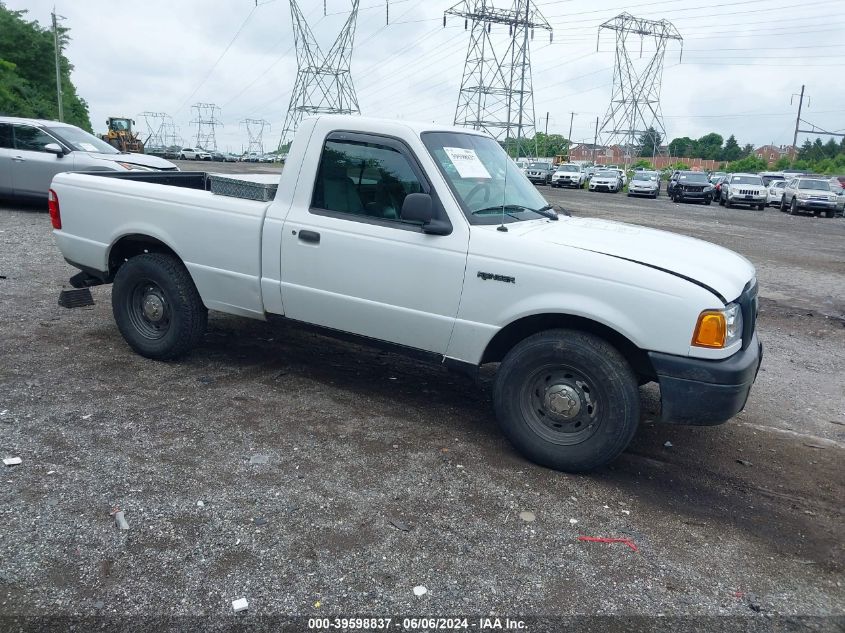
(157, 307)
(567, 400)
(793, 207)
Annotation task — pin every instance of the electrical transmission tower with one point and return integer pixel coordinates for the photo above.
(323, 81)
(205, 118)
(157, 127)
(635, 99)
(255, 132)
(496, 90)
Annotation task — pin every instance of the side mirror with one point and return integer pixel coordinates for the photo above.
(54, 148)
(417, 207)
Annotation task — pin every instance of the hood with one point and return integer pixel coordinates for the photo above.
(720, 270)
(604, 179)
(135, 159)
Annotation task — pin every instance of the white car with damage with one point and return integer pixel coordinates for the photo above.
(428, 240)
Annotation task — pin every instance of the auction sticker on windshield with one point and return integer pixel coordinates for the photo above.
(467, 163)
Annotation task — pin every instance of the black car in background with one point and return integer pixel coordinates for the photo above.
(690, 185)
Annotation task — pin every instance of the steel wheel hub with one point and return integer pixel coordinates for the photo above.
(562, 401)
(153, 307)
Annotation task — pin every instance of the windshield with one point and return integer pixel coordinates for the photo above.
(538, 166)
(746, 180)
(482, 177)
(568, 168)
(606, 174)
(80, 140)
(694, 177)
(821, 185)
(644, 175)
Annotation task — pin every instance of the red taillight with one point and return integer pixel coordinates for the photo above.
(53, 205)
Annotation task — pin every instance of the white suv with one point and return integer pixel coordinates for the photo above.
(746, 189)
(189, 153)
(569, 175)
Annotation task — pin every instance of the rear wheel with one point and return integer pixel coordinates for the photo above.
(783, 204)
(157, 307)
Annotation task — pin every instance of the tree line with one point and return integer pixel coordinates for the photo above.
(28, 72)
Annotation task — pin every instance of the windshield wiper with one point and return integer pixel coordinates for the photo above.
(544, 211)
(547, 211)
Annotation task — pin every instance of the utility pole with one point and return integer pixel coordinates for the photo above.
(58, 67)
(595, 140)
(797, 120)
(569, 138)
(547, 123)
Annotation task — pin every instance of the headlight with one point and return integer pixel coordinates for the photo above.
(803, 196)
(708, 187)
(717, 329)
(132, 166)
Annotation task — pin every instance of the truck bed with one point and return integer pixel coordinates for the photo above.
(260, 187)
(217, 237)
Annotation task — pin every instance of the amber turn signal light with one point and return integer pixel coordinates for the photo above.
(711, 330)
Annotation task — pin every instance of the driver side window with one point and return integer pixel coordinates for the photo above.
(31, 139)
(363, 179)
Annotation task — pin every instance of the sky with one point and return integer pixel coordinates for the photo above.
(742, 62)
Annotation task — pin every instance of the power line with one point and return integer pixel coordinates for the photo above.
(222, 55)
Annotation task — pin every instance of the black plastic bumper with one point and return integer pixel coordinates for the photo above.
(705, 392)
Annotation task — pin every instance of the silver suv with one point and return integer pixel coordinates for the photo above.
(809, 194)
(746, 189)
(32, 151)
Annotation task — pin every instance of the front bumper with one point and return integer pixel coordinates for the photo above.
(566, 182)
(705, 392)
(816, 205)
(746, 199)
(637, 191)
(602, 187)
(694, 195)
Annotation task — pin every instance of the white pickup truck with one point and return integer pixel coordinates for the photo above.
(429, 240)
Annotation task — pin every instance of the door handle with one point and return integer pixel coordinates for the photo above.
(310, 236)
(19, 159)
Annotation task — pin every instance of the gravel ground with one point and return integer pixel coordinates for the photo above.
(379, 474)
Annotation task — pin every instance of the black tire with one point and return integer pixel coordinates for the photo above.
(707, 201)
(783, 204)
(829, 214)
(728, 203)
(760, 207)
(793, 207)
(721, 201)
(567, 365)
(157, 307)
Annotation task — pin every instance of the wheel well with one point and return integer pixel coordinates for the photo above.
(132, 245)
(513, 333)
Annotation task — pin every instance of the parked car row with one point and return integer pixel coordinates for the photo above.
(191, 153)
